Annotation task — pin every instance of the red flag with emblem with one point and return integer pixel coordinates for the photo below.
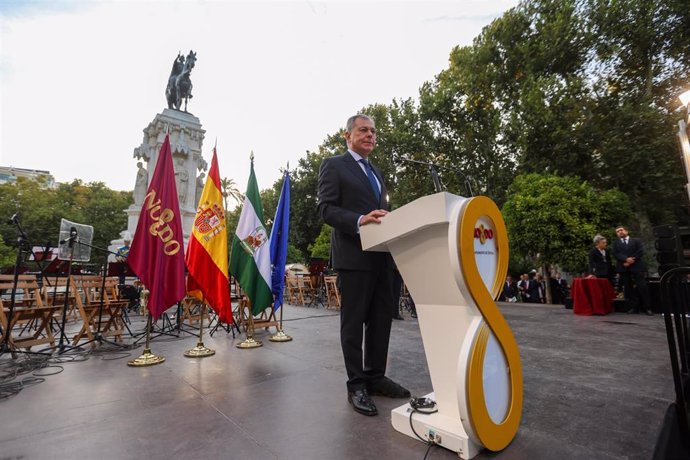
(157, 251)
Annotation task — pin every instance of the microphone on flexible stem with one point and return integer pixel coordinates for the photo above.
(72, 237)
(13, 219)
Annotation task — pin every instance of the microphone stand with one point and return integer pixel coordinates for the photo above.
(62, 347)
(5, 347)
(433, 170)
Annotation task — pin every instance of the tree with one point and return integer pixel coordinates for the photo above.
(7, 255)
(41, 207)
(294, 255)
(552, 219)
(321, 249)
(229, 190)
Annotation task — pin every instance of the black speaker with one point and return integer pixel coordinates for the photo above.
(670, 242)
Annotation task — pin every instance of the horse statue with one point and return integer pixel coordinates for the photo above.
(179, 84)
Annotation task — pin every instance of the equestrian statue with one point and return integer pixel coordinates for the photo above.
(179, 83)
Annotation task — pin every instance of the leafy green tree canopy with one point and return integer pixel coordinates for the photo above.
(41, 207)
(552, 219)
(321, 249)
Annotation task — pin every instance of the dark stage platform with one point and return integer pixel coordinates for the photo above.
(595, 388)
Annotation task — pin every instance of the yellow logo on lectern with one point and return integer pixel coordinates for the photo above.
(493, 435)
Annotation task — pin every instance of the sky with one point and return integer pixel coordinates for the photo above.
(80, 80)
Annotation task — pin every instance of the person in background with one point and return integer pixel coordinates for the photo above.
(631, 268)
(541, 288)
(121, 257)
(523, 288)
(563, 288)
(600, 259)
(509, 292)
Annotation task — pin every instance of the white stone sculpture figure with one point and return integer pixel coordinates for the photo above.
(182, 178)
(141, 184)
(199, 188)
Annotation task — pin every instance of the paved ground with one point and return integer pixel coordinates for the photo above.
(595, 388)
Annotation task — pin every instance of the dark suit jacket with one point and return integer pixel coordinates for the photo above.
(599, 265)
(622, 251)
(509, 291)
(345, 194)
(531, 288)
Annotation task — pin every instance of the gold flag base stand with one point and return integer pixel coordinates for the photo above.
(280, 336)
(249, 342)
(146, 359)
(200, 351)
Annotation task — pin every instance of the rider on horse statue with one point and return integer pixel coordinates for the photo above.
(179, 83)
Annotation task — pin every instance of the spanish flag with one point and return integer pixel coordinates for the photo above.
(207, 252)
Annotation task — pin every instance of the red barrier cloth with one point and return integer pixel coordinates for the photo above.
(592, 296)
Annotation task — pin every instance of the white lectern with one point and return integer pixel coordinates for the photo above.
(452, 253)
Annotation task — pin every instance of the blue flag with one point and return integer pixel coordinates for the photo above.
(279, 242)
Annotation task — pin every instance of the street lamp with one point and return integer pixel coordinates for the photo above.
(685, 98)
(683, 137)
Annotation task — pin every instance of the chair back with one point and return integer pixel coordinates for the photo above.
(27, 291)
(675, 300)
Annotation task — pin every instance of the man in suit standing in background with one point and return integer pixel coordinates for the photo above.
(352, 194)
(628, 253)
(509, 292)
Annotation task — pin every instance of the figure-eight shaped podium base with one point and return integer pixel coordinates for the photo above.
(452, 253)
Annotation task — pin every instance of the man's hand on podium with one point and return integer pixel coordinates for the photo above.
(373, 217)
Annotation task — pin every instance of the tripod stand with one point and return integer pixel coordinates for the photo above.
(7, 332)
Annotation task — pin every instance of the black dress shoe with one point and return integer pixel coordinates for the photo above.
(387, 387)
(362, 402)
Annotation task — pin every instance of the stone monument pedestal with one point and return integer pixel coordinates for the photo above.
(186, 140)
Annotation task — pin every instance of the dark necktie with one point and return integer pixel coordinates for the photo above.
(372, 179)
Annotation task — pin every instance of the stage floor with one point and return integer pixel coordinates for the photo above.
(594, 388)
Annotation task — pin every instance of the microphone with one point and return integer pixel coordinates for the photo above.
(72, 237)
(13, 219)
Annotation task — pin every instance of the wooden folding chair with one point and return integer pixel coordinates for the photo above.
(295, 293)
(88, 292)
(332, 292)
(28, 312)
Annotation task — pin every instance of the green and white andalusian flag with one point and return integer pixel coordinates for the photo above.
(250, 258)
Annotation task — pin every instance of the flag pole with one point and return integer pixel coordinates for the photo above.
(280, 336)
(200, 351)
(249, 342)
(147, 358)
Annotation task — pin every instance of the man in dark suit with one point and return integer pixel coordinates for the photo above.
(600, 259)
(352, 194)
(562, 287)
(628, 253)
(509, 292)
(523, 288)
(532, 288)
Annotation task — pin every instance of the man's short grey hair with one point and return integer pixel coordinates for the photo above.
(351, 121)
(598, 238)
